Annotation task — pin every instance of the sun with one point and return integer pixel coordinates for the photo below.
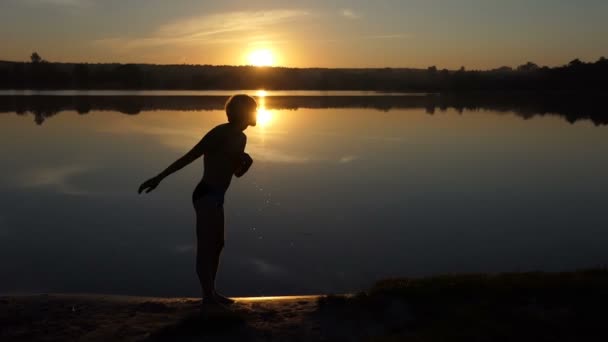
(261, 58)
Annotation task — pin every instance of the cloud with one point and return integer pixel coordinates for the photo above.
(387, 36)
(178, 138)
(183, 138)
(57, 177)
(347, 159)
(227, 22)
(267, 154)
(214, 28)
(267, 268)
(360, 137)
(181, 249)
(349, 13)
(363, 37)
(63, 3)
(384, 139)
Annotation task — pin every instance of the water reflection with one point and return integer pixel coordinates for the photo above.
(343, 192)
(57, 178)
(264, 116)
(570, 107)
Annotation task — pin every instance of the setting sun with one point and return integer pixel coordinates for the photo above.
(261, 58)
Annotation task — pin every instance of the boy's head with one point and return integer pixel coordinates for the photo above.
(241, 110)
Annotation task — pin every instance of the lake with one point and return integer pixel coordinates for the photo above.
(346, 189)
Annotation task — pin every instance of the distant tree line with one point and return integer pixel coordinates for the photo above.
(41, 74)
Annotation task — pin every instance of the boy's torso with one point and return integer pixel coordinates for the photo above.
(225, 146)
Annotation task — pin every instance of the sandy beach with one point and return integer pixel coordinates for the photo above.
(532, 306)
(54, 317)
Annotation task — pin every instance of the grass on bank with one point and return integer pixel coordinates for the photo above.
(510, 306)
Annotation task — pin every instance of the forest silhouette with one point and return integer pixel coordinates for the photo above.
(41, 74)
(569, 106)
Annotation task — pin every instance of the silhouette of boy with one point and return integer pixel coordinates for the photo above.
(223, 148)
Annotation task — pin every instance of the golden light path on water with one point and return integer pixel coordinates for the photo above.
(264, 116)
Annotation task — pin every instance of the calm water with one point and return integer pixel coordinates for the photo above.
(342, 192)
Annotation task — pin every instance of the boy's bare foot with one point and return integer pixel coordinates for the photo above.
(223, 300)
(212, 306)
(210, 301)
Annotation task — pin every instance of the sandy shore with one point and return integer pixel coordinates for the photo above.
(55, 317)
(534, 306)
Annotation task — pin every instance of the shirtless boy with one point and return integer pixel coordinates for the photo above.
(223, 149)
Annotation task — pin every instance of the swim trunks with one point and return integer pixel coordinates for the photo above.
(212, 193)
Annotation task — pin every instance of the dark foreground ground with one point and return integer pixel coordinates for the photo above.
(505, 307)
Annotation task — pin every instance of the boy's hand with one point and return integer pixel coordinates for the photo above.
(244, 165)
(246, 159)
(149, 185)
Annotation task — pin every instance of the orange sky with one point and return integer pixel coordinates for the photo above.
(473, 33)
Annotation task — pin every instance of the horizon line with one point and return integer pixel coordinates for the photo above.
(310, 67)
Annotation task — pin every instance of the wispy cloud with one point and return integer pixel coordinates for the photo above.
(349, 13)
(227, 22)
(387, 36)
(178, 138)
(184, 249)
(213, 28)
(347, 159)
(264, 267)
(364, 37)
(64, 3)
(267, 154)
(361, 137)
(57, 177)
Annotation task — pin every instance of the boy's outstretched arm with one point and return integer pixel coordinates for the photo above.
(196, 152)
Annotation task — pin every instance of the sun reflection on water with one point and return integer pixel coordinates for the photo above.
(264, 116)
